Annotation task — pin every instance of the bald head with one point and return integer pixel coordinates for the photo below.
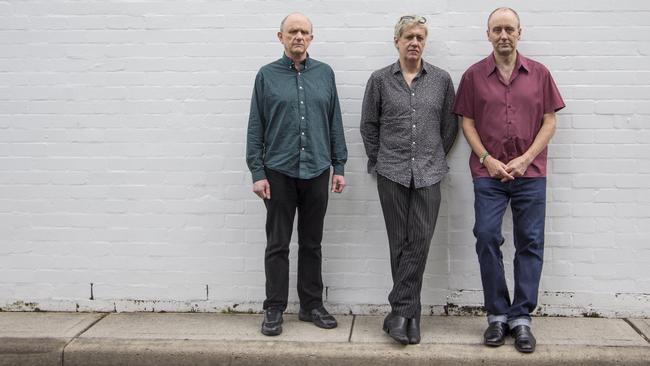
(296, 16)
(501, 10)
(295, 35)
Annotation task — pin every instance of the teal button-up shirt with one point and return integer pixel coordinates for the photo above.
(295, 125)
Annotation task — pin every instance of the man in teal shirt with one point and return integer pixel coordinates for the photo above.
(295, 133)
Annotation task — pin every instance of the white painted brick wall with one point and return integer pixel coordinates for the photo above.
(122, 137)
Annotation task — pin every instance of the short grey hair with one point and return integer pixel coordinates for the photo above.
(408, 21)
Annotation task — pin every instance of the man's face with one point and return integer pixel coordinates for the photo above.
(411, 43)
(503, 32)
(296, 35)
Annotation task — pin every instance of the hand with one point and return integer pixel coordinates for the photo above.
(517, 166)
(338, 183)
(497, 169)
(262, 189)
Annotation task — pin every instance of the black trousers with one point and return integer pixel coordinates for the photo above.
(309, 197)
(410, 215)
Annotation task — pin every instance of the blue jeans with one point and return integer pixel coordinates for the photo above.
(527, 197)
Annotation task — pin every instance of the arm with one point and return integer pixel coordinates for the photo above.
(496, 168)
(369, 128)
(517, 167)
(449, 123)
(337, 141)
(255, 141)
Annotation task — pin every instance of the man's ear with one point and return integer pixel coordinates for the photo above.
(280, 36)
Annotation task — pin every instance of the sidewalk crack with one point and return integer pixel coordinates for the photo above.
(636, 329)
(79, 334)
(354, 318)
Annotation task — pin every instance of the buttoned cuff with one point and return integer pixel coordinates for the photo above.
(339, 169)
(258, 175)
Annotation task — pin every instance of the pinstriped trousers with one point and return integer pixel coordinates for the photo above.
(410, 215)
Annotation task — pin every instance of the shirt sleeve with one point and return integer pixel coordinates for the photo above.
(552, 99)
(464, 103)
(255, 135)
(337, 135)
(449, 123)
(369, 128)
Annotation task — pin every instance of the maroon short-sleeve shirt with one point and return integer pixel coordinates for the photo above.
(507, 117)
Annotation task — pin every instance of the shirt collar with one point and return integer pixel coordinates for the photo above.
(396, 68)
(306, 63)
(520, 63)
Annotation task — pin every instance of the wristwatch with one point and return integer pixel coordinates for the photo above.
(481, 158)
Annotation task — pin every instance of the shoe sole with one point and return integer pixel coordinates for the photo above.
(494, 344)
(271, 332)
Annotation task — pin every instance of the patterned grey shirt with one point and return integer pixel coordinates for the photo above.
(407, 131)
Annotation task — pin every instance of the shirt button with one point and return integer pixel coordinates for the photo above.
(413, 126)
(412, 159)
(413, 142)
(414, 110)
(302, 117)
(412, 94)
(300, 87)
(302, 133)
(303, 149)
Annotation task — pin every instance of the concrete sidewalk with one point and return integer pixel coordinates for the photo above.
(223, 339)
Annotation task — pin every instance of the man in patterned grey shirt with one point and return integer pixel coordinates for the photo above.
(408, 128)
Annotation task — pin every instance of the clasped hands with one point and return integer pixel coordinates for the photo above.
(506, 172)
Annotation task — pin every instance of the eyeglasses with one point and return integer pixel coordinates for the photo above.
(417, 18)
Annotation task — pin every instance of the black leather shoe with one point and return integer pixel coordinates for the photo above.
(395, 326)
(272, 324)
(495, 334)
(524, 339)
(319, 316)
(413, 330)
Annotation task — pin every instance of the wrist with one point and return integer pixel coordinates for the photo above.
(528, 158)
(483, 156)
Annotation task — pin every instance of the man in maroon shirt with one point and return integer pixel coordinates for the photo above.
(508, 104)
